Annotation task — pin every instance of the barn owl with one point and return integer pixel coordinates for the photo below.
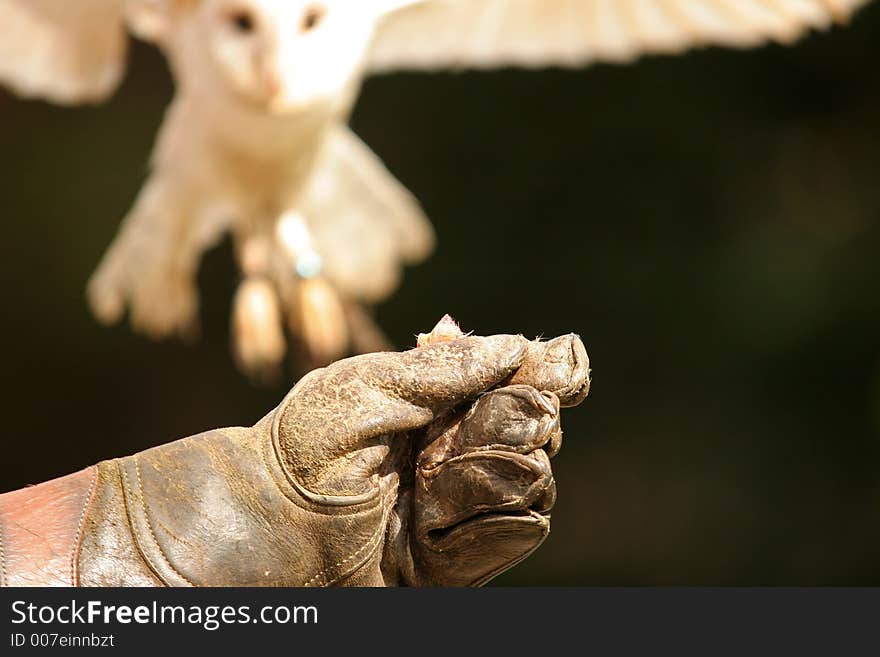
(255, 141)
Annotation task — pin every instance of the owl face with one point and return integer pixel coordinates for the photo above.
(286, 55)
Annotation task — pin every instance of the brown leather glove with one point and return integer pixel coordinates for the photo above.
(427, 467)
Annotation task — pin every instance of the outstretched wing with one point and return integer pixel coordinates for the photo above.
(67, 51)
(365, 223)
(431, 34)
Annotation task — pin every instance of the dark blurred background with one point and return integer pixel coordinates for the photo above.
(709, 224)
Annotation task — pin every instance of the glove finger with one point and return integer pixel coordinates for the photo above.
(446, 374)
(360, 403)
(515, 418)
(502, 543)
(480, 513)
(393, 392)
(479, 483)
(560, 366)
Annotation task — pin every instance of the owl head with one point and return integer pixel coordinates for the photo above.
(280, 56)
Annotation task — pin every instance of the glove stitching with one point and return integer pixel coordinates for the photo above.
(369, 544)
(74, 555)
(130, 496)
(317, 499)
(137, 469)
(296, 501)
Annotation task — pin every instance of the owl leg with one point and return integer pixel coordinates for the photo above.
(315, 309)
(281, 285)
(257, 325)
(152, 263)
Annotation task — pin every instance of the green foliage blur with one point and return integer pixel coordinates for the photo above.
(709, 224)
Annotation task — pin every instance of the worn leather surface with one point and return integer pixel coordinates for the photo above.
(41, 528)
(216, 509)
(429, 467)
(108, 554)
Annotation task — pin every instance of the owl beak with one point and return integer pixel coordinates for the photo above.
(272, 83)
(277, 90)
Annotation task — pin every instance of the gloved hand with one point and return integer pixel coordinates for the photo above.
(427, 467)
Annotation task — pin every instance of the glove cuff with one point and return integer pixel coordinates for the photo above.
(218, 509)
(41, 530)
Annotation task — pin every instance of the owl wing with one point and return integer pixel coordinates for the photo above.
(365, 223)
(67, 51)
(432, 34)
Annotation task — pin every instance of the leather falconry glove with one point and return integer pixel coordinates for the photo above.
(428, 467)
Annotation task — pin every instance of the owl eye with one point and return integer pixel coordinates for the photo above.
(312, 17)
(242, 21)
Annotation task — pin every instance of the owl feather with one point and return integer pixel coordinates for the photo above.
(256, 141)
